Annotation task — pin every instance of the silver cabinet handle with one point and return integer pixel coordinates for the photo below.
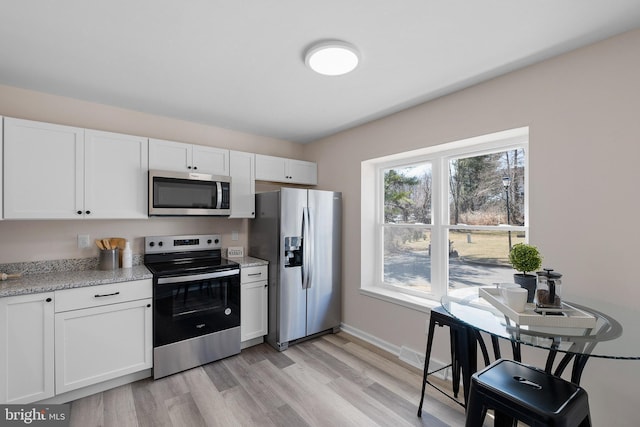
(254, 274)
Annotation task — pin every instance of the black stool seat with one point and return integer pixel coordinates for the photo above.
(463, 349)
(521, 392)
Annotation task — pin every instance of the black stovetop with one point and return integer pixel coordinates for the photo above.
(185, 263)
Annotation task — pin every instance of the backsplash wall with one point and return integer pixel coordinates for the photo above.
(23, 241)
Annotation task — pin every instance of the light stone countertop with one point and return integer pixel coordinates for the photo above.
(58, 280)
(248, 261)
(48, 281)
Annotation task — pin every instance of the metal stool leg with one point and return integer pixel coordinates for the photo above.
(427, 356)
(455, 360)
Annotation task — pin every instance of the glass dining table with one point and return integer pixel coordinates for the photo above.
(615, 333)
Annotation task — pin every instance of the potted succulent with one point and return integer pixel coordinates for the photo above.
(525, 258)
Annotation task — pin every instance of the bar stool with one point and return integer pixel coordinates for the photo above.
(528, 394)
(463, 354)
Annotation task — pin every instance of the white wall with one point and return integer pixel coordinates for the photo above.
(582, 109)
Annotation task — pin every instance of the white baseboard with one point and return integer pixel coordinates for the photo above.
(406, 354)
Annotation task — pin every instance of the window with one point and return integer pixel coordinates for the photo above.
(444, 217)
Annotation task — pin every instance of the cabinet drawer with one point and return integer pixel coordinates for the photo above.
(94, 296)
(253, 274)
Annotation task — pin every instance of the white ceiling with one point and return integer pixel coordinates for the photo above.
(239, 64)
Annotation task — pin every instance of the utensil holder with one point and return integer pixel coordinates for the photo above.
(108, 259)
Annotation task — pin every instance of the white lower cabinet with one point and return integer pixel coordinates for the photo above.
(26, 348)
(254, 303)
(110, 339)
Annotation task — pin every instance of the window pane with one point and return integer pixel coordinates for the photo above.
(407, 195)
(487, 189)
(407, 257)
(480, 258)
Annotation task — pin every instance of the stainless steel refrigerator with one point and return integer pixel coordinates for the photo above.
(299, 232)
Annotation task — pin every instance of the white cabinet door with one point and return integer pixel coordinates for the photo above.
(280, 169)
(169, 155)
(253, 300)
(253, 315)
(62, 172)
(43, 170)
(26, 348)
(302, 172)
(243, 184)
(270, 168)
(211, 160)
(181, 157)
(116, 168)
(100, 343)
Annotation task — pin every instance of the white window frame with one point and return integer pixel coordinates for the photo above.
(372, 212)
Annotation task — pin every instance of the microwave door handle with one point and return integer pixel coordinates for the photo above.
(219, 195)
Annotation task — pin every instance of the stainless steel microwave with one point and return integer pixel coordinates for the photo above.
(188, 194)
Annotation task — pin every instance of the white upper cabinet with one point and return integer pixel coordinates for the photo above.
(44, 170)
(115, 175)
(214, 161)
(280, 169)
(243, 186)
(181, 157)
(303, 172)
(72, 173)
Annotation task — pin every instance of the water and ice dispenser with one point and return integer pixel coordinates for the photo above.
(293, 251)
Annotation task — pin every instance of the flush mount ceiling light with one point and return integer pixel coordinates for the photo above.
(332, 58)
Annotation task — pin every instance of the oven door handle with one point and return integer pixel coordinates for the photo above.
(193, 277)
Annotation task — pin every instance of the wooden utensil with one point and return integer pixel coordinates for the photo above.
(117, 242)
(99, 244)
(5, 276)
(106, 244)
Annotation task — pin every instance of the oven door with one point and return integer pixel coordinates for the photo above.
(191, 306)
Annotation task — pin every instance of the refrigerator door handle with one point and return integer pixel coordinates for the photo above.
(306, 250)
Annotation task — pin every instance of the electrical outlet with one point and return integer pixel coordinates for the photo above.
(235, 251)
(83, 241)
(234, 235)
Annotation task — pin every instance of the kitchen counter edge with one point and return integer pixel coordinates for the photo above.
(56, 281)
(248, 261)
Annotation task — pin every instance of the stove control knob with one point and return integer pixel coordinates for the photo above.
(217, 241)
(209, 242)
(160, 243)
(152, 244)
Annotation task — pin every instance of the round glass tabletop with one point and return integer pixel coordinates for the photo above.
(615, 332)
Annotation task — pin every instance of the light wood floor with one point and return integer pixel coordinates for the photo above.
(333, 380)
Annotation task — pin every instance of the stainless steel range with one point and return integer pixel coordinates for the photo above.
(196, 302)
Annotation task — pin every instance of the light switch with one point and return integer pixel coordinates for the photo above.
(234, 235)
